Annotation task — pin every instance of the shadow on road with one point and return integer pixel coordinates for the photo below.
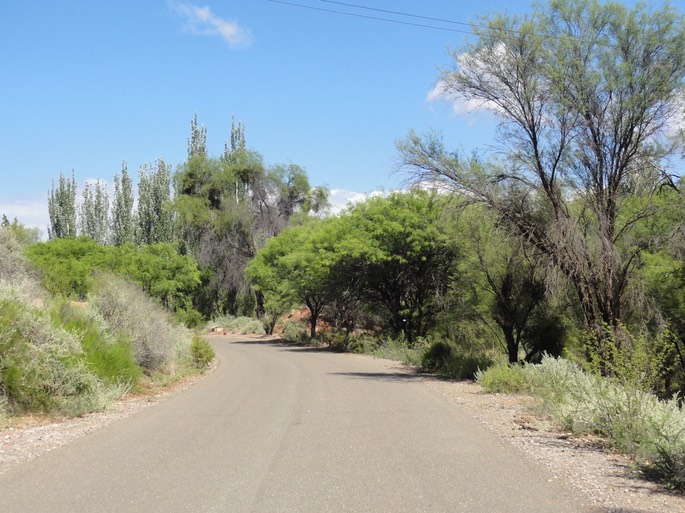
(282, 344)
(381, 376)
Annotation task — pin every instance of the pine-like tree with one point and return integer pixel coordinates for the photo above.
(197, 144)
(122, 208)
(154, 195)
(95, 212)
(62, 208)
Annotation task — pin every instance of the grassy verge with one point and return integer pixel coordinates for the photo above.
(634, 422)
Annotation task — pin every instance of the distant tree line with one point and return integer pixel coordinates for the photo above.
(217, 210)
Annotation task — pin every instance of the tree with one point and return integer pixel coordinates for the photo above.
(587, 94)
(122, 208)
(406, 261)
(512, 276)
(292, 269)
(95, 212)
(155, 221)
(62, 208)
(228, 208)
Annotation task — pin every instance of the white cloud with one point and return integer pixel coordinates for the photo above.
(473, 65)
(340, 199)
(202, 21)
(460, 106)
(31, 213)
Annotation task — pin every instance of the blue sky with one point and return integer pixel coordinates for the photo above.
(87, 84)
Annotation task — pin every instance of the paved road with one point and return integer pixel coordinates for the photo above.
(281, 429)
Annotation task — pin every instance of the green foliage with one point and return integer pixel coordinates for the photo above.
(295, 331)
(157, 344)
(94, 221)
(406, 261)
(41, 367)
(68, 267)
(397, 349)
(155, 220)
(23, 236)
(446, 359)
(586, 92)
(503, 378)
(62, 208)
(202, 352)
(633, 421)
(242, 325)
(108, 355)
(122, 209)
(639, 360)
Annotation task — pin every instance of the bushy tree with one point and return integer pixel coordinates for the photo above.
(587, 94)
(228, 208)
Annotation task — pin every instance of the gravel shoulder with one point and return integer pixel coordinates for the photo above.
(605, 478)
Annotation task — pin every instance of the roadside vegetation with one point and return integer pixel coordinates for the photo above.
(631, 418)
(553, 265)
(63, 356)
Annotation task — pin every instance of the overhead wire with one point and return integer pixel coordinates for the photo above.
(378, 18)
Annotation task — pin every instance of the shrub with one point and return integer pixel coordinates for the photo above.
(295, 331)
(397, 349)
(202, 352)
(436, 357)
(190, 317)
(108, 355)
(242, 325)
(15, 272)
(156, 343)
(503, 378)
(42, 366)
(632, 420)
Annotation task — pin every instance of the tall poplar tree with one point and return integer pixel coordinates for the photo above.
(62, 208)
(154, 196)
(95, 212)
(122, 208)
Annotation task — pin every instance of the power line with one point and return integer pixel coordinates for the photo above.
(418, 16)
(399, 13)
(375, 18)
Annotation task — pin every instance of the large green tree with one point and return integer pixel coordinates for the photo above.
(588, 95)
(406, 260)
(228, 208)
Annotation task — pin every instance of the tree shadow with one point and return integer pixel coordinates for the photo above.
(285, 345)
(399, 377)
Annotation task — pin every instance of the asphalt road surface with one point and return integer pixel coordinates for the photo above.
(283, 429)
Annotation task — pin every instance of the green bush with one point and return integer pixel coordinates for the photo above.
(42, 367)
(242, 325)
(109, 356)
(190, 317)
(632, 420)
(295, 331)
(157, 344)
(202, 352)
(503, 378)
(437, 356)
(398, 350)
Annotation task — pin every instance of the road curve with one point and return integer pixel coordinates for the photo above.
(282, 429)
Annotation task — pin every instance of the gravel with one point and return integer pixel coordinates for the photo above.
(605, 478)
